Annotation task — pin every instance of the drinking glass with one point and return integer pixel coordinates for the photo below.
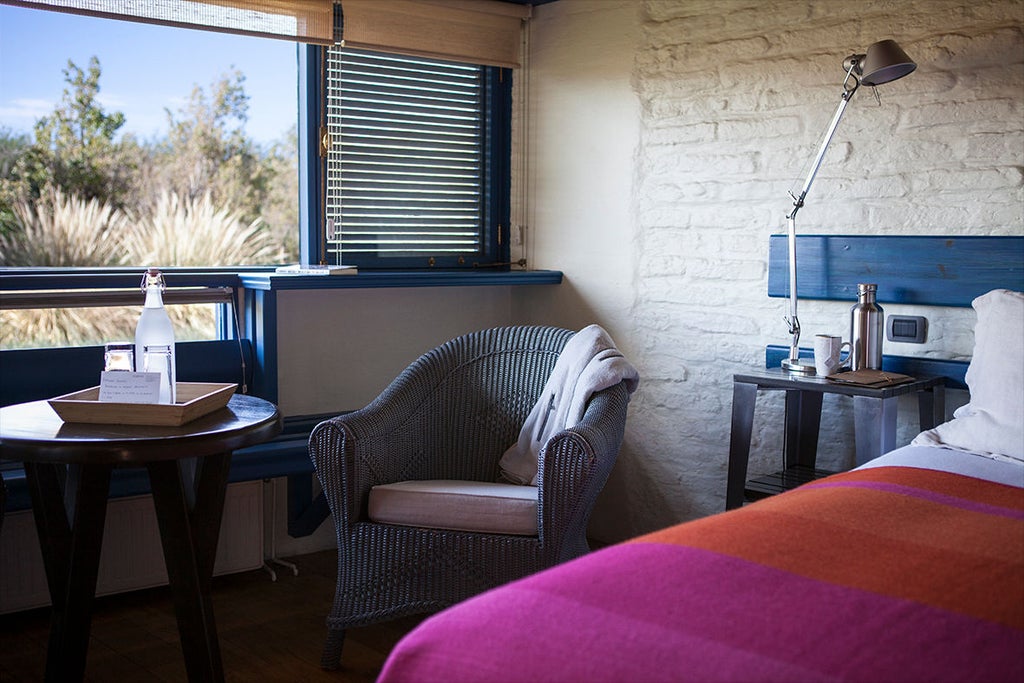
(158, 358)
(119, 356)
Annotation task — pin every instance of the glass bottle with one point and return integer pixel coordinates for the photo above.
(866, 323)
(155, 332)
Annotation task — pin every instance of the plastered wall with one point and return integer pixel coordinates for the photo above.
(663, 139)
(338, 349)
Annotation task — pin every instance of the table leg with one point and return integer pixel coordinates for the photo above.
(189, 505)
(744, 396)
(931, 405)
(3, 500)
(70, 507)
(874, 426)
(803, 420)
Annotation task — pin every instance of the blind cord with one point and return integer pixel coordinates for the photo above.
(238, 336)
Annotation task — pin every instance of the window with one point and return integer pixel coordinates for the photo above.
(430, 191)
(417, 171)
(114, 158)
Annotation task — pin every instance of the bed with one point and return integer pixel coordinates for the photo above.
(909, 568)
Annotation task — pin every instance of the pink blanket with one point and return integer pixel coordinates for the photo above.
(890, 573)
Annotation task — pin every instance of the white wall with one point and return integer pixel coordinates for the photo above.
(664, 136)
(339, 348)
(584, 123)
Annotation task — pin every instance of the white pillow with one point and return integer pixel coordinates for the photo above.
(993, 420)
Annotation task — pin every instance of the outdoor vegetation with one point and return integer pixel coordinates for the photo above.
(79, 192)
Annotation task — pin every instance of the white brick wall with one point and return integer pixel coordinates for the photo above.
(664, 136)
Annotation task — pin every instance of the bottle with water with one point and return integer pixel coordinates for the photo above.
(154, 336)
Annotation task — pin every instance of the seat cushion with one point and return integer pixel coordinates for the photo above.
(458, 505)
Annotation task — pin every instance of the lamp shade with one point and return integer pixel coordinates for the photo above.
(886, 61)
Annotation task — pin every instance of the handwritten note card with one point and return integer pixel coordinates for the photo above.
(130, 387)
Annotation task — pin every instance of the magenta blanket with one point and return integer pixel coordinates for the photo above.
(891, 573)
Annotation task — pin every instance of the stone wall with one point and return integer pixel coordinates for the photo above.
(664, 137)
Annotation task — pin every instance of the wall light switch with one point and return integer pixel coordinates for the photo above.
(912, 329)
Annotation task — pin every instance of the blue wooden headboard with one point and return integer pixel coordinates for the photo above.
(923, 271)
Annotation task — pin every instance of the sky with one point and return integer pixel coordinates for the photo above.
(145, 69)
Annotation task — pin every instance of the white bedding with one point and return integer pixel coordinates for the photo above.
(981, 466)
(985, 438)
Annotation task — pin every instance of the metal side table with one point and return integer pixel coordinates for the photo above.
(874, 423)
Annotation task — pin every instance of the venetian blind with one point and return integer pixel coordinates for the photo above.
(406, 164)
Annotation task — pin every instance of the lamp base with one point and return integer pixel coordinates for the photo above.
(795, 365)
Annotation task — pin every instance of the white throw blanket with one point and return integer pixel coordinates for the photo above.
(589, 363)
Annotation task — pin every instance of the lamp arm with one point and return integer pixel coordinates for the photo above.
(793, 320)
(848, 91)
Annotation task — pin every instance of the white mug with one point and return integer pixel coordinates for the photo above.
(119, 356)
(827, 351)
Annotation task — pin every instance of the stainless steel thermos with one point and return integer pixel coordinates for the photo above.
(866, 323)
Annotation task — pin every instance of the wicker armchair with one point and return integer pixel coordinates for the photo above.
(451, 415)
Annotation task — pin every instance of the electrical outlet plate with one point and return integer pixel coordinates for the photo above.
(911, 329)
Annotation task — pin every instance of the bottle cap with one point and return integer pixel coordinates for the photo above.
(152, 277)
(861, 288)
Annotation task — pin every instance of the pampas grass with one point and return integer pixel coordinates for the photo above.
(61, 230)
(69, 231)
(43, 327)
(194, 232)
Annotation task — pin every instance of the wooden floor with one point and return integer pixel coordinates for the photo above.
(269, 631)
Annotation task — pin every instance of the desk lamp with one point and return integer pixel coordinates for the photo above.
(885, 61)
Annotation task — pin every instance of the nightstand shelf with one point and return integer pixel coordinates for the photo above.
(777, 482)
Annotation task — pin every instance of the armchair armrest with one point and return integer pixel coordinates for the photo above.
(574, 466)
(353, 453)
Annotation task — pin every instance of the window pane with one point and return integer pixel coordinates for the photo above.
(113, 154)
(58, 327)
(406, 166)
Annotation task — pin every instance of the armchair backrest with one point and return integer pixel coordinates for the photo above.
(472, 395)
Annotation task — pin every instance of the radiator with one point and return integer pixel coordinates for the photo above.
(132, 557)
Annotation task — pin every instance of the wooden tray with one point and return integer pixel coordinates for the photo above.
(194, 399)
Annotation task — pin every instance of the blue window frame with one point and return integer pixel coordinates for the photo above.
(355, 204)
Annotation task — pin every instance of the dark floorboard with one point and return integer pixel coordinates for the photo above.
(269, 631)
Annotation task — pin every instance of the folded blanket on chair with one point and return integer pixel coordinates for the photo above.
(589, 363)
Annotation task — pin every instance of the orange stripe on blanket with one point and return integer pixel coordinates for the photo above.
(889, 541)
(967, 488)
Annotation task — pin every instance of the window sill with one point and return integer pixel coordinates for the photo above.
(376, 279)
(34, 279)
